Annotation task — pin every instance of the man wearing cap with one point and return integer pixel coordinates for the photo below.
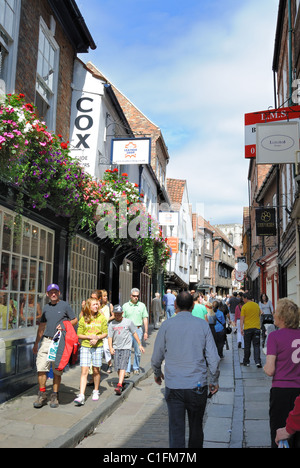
(54, 312)
(137, 312)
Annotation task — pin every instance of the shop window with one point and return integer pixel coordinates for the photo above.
(24, 270)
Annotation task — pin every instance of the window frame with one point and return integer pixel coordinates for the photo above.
(10, 43)
(50, 117)
(84, 265)
(16, 252)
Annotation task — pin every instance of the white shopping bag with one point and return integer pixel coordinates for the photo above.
(53, 347)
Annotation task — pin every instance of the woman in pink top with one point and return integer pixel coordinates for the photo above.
(283, 359)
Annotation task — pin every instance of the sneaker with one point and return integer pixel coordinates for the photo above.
(136, 372)
(259, 366)
(54, 400)
(127, 375)
(79, 400)
(95, 396)
(41, 400)
(119, 389)
(109, 370)
(245, 364)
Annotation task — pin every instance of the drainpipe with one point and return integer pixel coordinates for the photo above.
(275, 90)
(290, 53)
(297, 259)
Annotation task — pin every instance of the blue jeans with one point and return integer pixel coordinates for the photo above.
(170, 310)
(180, 401)
(137, 352)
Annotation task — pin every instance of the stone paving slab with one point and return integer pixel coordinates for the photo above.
(236, 417)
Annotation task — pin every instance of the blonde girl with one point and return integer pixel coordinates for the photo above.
(107, 310)
(92, 329)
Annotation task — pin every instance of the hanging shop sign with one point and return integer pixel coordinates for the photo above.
(84, 129)
(286, 114)
(277, 143)
(86, 108)
(134, 151)
(241, 266)
(265, 221)
(173, 243)
(170, 218)
(239, 275)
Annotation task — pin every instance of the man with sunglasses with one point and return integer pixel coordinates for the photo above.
(54, 313)
(137, 312)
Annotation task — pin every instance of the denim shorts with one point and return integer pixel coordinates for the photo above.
(91, 356)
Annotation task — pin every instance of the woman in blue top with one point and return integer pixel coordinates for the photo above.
(220, 328)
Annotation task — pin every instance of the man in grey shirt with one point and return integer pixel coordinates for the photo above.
(188, 348)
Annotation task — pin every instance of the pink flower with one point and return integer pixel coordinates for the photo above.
(2, 139)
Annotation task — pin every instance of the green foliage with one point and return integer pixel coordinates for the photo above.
(39, 163)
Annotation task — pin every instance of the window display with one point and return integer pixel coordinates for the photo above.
(26, 267)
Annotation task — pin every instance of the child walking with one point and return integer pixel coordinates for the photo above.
(92, 329)
(120, 332)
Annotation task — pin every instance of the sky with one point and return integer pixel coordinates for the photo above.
(194, 69)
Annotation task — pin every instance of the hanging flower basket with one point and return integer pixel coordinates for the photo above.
(39, 163)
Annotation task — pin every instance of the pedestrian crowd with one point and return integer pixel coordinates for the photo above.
(190, 343)
(103, 331)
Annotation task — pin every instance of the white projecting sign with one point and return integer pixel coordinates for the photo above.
(135, 151)
(277, 143)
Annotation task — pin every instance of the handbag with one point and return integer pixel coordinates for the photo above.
(227, 328)
(53, 347)
(267, 319)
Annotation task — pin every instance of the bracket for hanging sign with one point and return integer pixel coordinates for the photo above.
(297, 163)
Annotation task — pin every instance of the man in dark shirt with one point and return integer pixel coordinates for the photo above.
(53, 313)
(233, 302)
